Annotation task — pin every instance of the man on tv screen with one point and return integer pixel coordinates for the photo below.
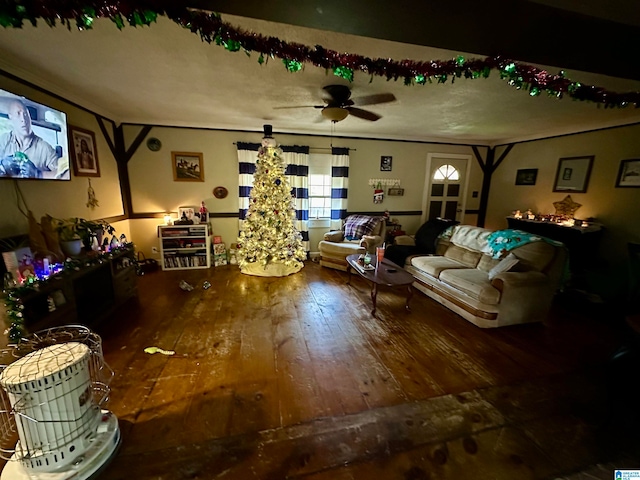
(23, 154)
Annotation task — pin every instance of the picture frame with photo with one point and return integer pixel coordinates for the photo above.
(526, 176)
(385, 163)
(84, 154)
(629, 174)
(573, 174)
(187, 166)
(187, 212)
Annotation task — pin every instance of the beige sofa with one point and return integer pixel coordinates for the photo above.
(464, 276)
(336, 246)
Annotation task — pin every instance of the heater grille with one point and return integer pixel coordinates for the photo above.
(52, 396)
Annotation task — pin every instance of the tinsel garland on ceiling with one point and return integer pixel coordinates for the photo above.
(211, 29)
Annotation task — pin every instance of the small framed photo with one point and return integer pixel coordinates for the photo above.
(629, 174)
(573, 174)
(186, 213)
(526, 176)
(385, 163)
(84, 155)
(187, 167)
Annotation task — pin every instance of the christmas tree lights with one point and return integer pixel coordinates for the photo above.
(269, 244)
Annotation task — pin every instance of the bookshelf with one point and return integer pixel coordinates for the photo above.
(184, 247)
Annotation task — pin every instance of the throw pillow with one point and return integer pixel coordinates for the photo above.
(356, 226)
(506, 264)
(427, 234)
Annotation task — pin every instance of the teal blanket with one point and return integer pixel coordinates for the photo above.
(503, 241)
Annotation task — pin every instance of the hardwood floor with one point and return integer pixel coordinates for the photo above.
(292, 377)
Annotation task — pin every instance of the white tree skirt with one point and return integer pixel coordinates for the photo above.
(271, 270)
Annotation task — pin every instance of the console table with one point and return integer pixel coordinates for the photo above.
(85, 296)
(581, 242)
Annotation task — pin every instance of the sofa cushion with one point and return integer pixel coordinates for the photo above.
(355, 226)
(473, 283)
(535, 255)
(434, 264)
(486, 263)
(467, 257)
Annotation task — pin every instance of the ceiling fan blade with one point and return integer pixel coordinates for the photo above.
(300, 106)
(374, 99)
(364, 114)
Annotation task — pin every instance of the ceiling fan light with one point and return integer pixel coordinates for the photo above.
(335, 114)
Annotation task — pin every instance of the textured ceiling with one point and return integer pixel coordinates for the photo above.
(164, 75)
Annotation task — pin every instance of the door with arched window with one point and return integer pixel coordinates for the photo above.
(445, 186)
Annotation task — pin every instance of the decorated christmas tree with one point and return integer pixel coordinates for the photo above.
(269, 244)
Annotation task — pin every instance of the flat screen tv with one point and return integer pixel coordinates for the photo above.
(33, 140)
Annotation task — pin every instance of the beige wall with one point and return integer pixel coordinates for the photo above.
(154, 191)
(59, 198)
(618, 209)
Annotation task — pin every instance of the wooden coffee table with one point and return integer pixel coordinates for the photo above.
(387, 273)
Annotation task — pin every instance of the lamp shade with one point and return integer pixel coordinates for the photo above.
(335, 114)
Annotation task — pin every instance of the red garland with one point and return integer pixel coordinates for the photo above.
(211, 29)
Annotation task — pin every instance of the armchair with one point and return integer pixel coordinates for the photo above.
(359, 234)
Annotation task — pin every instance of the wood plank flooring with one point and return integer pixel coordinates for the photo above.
(292, 377)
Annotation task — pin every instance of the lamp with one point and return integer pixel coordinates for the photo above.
(335, 114)
(168, 220)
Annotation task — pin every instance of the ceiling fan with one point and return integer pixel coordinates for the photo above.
(339, 104)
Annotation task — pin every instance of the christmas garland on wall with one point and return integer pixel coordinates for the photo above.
(211, 29)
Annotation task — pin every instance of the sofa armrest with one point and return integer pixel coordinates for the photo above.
(530, 279)
(334, 236)
(404, 240)
(370, 242)
(525, 296)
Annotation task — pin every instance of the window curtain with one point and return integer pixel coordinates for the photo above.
(339, 186)
(247, 156)
(296, 159)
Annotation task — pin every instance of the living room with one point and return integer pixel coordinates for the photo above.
(152, 192)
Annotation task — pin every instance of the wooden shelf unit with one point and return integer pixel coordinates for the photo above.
(184, 247)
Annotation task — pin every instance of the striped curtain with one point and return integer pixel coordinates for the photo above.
(247, 156)
(339, 185)
(297, 173)
(297, 160)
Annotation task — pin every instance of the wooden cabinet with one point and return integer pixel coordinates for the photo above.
(185, 247)
(581, 242)
(84, 296)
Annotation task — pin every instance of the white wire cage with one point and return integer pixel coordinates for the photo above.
(54, 385)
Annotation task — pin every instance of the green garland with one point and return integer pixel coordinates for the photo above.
(211, 29)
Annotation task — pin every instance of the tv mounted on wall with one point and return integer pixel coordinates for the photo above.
(33, 140)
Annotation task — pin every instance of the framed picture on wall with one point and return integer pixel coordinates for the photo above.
(385, 163)
(573, 174)
(84, 155)
(629, 174)
(187, 167)
(526, 176)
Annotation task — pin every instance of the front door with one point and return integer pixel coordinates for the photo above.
(445, 186)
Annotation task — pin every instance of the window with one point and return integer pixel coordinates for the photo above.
(319, 196)
(446, 172)
(319, 186)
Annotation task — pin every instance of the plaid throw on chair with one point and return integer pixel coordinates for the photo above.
(355, 226)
